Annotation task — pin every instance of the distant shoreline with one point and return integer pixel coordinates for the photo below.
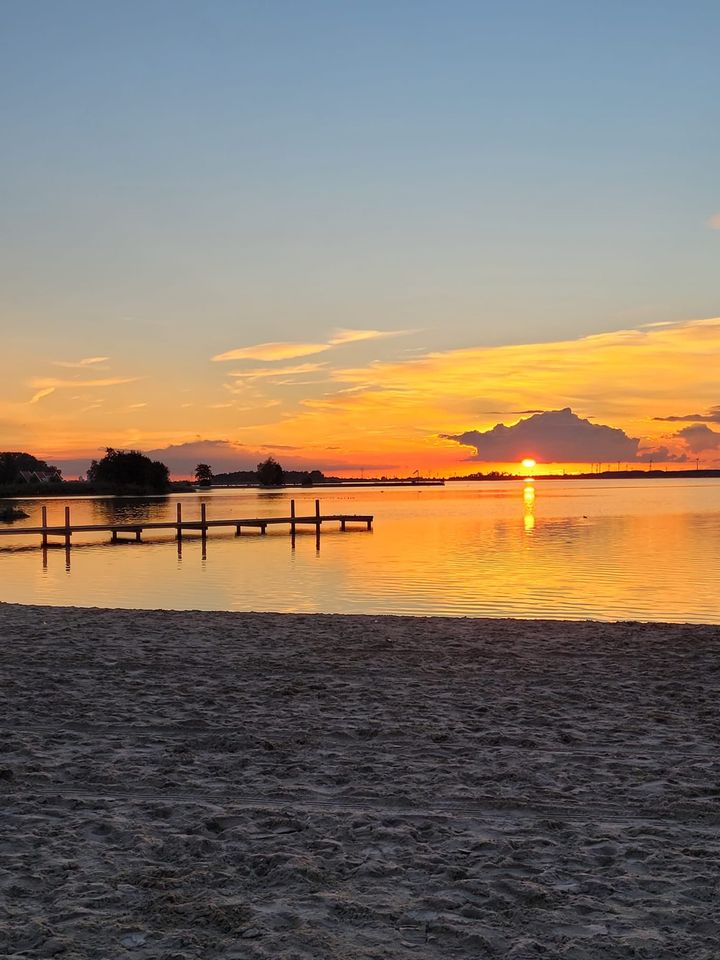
(605, 475)
(180, 486)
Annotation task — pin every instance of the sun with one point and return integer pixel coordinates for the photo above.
(528, 463)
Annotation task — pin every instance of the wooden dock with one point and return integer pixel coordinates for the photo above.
(119, 531)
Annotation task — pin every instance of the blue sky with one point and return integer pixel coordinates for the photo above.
(179, 179)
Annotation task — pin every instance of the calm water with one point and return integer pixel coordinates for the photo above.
(637, 549)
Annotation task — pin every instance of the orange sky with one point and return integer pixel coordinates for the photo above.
(331, 404)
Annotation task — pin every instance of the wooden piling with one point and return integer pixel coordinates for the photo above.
(67, 526)
(292, 518)
(44, 524)
(179, 522)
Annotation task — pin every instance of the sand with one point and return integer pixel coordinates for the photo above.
(216, 785)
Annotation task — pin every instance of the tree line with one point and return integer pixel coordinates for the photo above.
(131, 471)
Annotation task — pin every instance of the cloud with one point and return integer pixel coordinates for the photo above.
(273, 351)
(511, 413)
(712, 417)
(223, 456)
(661, 455)
(285, 350)
(46, 383)
(714, 221)
(259, 373)
(41, 393)
(86, 362)
(341, 335)
(555, 436)
(699, 437)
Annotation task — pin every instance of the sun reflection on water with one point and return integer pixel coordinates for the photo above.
(529, 506)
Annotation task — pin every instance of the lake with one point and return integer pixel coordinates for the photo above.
(576, 549)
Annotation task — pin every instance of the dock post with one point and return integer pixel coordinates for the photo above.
(292, 518)
(369, 524)
(137, 535)
(114, 537)
(178, 535)
(342, 524)
(317, 513)
(203, 530)
(44, 523)
(67, 527)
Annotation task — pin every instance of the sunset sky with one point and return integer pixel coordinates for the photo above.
(360, 236)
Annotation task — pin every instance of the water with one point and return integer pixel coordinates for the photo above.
(611, 550)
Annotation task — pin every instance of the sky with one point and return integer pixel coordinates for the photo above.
(360, 236)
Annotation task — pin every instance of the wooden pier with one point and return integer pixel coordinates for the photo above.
(122, 532)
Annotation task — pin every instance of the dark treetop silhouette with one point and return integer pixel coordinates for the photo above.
(129, 469)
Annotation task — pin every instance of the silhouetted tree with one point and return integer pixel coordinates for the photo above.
(270, 473)
(123, 469)
(203, 474)
(11, 463)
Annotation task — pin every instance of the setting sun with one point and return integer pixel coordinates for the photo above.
(528, 463)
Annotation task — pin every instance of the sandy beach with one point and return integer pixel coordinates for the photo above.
(216, 785)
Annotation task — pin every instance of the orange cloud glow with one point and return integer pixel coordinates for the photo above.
(624, 378)
(273, 351)
(47, 383)
(86, 362)
(390, 414)
(291, 351)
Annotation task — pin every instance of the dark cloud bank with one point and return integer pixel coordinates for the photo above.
(225, 456)
(712, 417)
(558, 436)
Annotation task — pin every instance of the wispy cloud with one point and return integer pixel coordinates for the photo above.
(342, 335)
(286, 350)
(80, 364)
(46, 383)
(712, 417)
(273, 351)
(261, 373)
(36, 397)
